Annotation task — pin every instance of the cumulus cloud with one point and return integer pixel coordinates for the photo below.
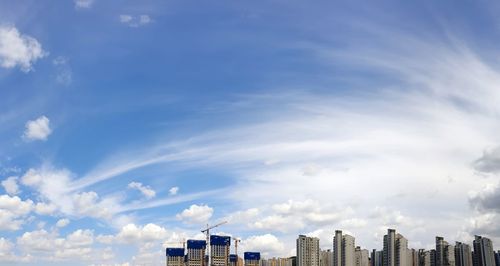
(52, 186)
(173, 191)
(12, 211)
(487, 199)
(245, 216)
(135, 21)
(18, 50)
(43, 208)
(145, 190)
(268, 244)
(83, 4)
(62, 222)
(51, 246)
(38, 129)
(196, 214)
(133, 234)
(489, 162)
(10, 185)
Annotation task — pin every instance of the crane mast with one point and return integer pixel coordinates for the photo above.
(206, 231)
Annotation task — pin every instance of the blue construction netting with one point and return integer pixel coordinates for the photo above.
(252, 255)
(216, 240)
(175, 252)
(196, 244)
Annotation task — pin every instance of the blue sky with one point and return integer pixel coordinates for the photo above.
(126, 126)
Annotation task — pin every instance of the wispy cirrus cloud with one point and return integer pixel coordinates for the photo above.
(397, 134)
(135, 21)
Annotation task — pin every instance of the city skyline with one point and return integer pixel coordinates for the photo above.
(128, 126)
(344, 251)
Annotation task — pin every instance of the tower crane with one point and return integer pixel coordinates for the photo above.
(207, 232)
(236, 241)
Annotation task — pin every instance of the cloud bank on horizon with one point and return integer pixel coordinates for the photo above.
(302, 120)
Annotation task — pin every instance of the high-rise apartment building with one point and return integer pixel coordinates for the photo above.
(440, 246)
(307, 251)
(343, 249)
(196, 252)
(251, 258)
(395, 249)
(326, 258)
(219, 250)
(361, 257)
(413, 258)
(483, 252)
(389, 248)
(433, 257)
(424, 257)
(175, 256)
(463, 254)
(376, 258)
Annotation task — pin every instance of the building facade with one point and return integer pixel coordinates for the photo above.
(395, 249)
(326, 258)
(251, 258)
(463, 254)
(219, 250)
(343, 249)
(376, 258)
(483, 252)
(196, 252)
(175, 256)
(361, 257)
(308, 251)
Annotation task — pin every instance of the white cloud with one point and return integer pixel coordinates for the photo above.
(244, 217)
(125, 18)
(133, 234)
(17, 49)
(62, 222)
(12, 211)
(196, 214)
(145, 190)
(268, 244)
(64, 75)
(38, 129)
(135, 21)
(10, 185)
(88, 204)
(6, 250)
(45, 208)
(144, 19)
(434, 119)
(173, 191)
(83, 3)
(50, 246)
(53, 187)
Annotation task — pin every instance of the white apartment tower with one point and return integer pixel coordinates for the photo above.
(361, 257)
(395, 249)
(308, 253)
(343, 249)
